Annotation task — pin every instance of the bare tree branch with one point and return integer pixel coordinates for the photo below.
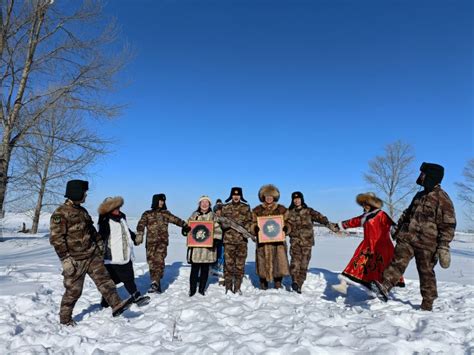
(48, 60)
(392, 176)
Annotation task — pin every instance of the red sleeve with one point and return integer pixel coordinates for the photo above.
(351, 223)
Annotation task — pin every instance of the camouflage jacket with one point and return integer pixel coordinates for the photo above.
(429, 221)
(241, 214)
(73, 232)
(156, 223)
(301, 220)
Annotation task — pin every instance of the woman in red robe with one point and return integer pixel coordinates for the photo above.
(375, 252)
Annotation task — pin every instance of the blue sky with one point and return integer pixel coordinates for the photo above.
(301, 94)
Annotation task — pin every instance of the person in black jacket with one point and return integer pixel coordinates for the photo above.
(118, 247)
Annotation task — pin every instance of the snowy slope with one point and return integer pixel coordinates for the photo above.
(274, 322)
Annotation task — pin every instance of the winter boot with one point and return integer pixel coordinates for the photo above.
(341, 287)
(228, 286)
(426, 305)
(155, 287)
(122, 307)
(69, 323)
(237, 284)
(263, 284)
(277, 283)
(294, 286)
(202, 289)
(103, 303)
(140, 300)
(221, 281)
(380, 290)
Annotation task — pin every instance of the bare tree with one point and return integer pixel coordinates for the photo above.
(49, 51)
(466, 189)
(59, 148)
(392, 176)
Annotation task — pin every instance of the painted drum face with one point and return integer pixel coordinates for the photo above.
(271, 229)
(201, 233)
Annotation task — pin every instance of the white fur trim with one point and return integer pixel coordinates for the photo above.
(341, 227)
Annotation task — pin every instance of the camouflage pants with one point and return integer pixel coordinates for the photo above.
(155, 257)
(300, 257)
(425, 263)
(95, 268)
(235, 256)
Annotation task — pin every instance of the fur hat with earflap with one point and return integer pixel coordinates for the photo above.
(434, 174)
(369, 198)
(75, 189)
(297, 194)
(268, 190)
(155, 202)
(110, 204)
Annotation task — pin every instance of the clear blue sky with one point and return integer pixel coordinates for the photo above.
(301, 94)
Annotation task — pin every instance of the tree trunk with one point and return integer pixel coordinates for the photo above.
(5, 154)
(39, 202)
(37, 214)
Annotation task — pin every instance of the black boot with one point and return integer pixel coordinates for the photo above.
(380, 291)
(140, 300)
(278, 284)
(263, 284)
(122, 307)
(294, 286)
(228, 286)
(202, 289)
(155, 287)
(103, 303)
(237, 284)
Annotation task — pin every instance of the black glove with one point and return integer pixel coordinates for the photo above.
(285, 229)
(185, 230)
(256, 230)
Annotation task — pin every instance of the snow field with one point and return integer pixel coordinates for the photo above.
(319, 321)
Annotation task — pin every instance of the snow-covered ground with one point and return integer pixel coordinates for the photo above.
(318, 321)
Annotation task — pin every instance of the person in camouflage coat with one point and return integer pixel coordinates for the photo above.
(156, 223)
(424, 232)
(80, 249)
(271, 258)
(235, 244)
(301, 217)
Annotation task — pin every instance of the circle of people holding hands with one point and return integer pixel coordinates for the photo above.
(423, 232)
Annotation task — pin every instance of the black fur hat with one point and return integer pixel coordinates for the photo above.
(156, 199)
(75, 189)
(297, 194)
(236, 191)
(434, 174)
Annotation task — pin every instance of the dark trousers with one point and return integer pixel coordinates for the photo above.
(123, 273)
(199, 273)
